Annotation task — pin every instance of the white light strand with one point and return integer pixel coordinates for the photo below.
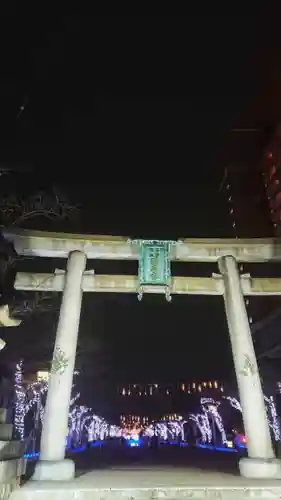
(85, 425)
(203, 425)
(272, 416)
(234, 403)
(20, 399)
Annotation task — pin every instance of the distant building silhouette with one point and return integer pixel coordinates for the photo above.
(140, 403)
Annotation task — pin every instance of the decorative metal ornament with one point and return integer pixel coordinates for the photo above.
(154, 265)
(59, 362)
(249, 368)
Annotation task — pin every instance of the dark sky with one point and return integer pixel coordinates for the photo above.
(132, 115)
(131, 92)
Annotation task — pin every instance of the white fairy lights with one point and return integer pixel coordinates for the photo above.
(85, 426)
(20, 398)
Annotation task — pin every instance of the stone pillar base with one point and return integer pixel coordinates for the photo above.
(260, 468)
(54, 470)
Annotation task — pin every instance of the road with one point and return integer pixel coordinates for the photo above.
(173, 456)
(116, 457)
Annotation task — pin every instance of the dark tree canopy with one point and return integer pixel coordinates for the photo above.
(45, 210)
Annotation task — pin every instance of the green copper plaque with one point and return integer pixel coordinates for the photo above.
(154, 265)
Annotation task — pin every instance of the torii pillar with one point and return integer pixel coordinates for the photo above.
(52, 464)
(261, 461)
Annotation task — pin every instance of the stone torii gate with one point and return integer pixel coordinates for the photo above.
(154, 277)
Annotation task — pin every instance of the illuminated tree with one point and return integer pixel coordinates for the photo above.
(20, 399)
(30, 400)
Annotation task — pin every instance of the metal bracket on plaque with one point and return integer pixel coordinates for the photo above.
(154, 265)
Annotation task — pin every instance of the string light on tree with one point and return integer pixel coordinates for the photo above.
(234, 403)
(84, 425)
(212, 409)
(20, 401)
(203, 425)
(273, 417)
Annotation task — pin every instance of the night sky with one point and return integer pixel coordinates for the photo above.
(131, 116)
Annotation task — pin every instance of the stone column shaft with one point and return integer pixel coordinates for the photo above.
(55, 424)
(248, 379)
